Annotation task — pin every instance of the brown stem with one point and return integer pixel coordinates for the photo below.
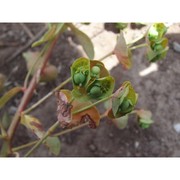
(29, 92)
(25, 99)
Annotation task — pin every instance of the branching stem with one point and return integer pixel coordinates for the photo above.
(56, 135)
(55, 125)
(47, 96)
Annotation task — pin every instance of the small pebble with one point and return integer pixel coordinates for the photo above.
(10, 33)
(105, 150)
(177, 127)
(176, 46)
(136, 144)
(111, 135)
(92, 147)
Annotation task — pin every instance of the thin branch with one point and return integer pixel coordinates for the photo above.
(55, 125)
(47, 96)
(107, 55)
(27, 30)
(91, 105)
(138, 46)
(50, 130)
(25, 99)
(28, 93)
(56, 135)
(19, 51)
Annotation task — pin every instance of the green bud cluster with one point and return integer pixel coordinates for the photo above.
(91, 80)
(157, 42)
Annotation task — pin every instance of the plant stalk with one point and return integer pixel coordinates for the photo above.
(138, 46)
(47, 96)
(29, 92)
(50, 130)
(91, 105)
(107, 55)
(55, 125)
(26, 97)
(56, 135)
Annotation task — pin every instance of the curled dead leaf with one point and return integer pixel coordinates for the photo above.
(66, 107)
(63, 107)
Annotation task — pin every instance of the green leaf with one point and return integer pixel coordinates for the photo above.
(6, 120)
(53, 30)
(2, 81)
(33, 124)
(91, 80)
(33, 60)
(101, 88)
(3, 131)
(121, 25)
(124, 100)
(84, 40)
(81, 67)
(144, 118)
(158, 45)
(53, 144)
(156, 31)
(121, 122)
(8, 95)
(5, 149)
(154, 54)
(80, 74)
(145, 114)
(122, 52)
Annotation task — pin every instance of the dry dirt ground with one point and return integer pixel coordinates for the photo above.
(159, 91)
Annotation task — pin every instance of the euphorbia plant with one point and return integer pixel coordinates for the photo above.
(92, 85)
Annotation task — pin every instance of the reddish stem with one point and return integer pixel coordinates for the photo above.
(29, 92)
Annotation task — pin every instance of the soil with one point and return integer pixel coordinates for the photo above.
(158, 92)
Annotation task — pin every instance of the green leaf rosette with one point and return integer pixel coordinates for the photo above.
(144, 118)
(91, 80)
(157, 50)
(124, 101)
(157, 43)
